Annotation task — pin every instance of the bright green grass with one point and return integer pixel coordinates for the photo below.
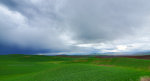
(56, 68)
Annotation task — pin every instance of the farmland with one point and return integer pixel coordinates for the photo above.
(64, 68)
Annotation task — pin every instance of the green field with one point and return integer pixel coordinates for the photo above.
(58, 68)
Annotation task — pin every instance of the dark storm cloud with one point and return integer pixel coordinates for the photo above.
(8, 49)
(65, 24)
(9, 3)
(31, 29)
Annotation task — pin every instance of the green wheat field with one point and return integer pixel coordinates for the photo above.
(58, 68)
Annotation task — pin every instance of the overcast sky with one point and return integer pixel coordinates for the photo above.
(74, 26)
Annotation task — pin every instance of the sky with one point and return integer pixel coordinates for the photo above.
(74, 26)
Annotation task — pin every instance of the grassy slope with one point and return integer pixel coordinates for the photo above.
(54, 68)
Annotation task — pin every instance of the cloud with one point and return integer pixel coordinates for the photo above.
(76, 25)
(19, 30)
(98, 21)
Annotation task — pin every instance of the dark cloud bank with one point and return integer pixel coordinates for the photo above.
(74, 26)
